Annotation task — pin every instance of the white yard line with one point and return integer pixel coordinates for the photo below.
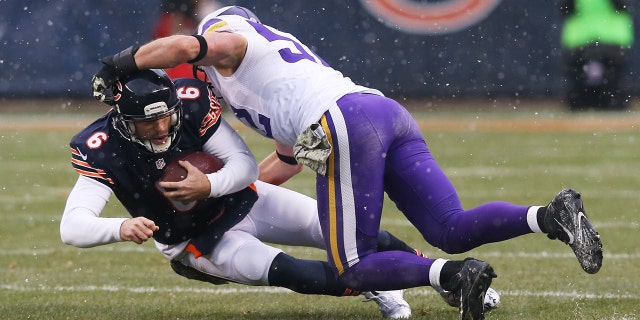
(150, 250)
(274, 290)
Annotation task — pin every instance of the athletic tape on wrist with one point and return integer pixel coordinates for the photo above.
(124, 63)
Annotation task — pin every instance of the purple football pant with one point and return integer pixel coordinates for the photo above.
(377, 148)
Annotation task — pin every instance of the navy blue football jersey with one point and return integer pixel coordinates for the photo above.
(101, 153)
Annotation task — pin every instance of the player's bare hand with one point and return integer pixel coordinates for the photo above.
(194, 187)
(138, 230)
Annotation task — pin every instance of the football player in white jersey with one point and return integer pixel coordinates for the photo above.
(361, 145)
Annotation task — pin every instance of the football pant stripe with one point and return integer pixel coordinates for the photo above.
(342, 203)
(331, 186)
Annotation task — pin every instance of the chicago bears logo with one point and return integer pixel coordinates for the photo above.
(118, 95)
(439, 17)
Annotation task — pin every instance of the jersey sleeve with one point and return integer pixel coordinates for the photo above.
(81, 224)
(240, 167)
(201, 106)
(88, 148)
(204, 112)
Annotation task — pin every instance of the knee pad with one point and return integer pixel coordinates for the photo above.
(242, 258)
(252, 261)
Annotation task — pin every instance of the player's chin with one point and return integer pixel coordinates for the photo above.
(159, 141)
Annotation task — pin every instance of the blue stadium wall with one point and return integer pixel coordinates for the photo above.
(497, 48)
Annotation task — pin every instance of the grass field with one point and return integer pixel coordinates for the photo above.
(522, 153)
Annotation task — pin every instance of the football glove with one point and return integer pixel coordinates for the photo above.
(114, 67)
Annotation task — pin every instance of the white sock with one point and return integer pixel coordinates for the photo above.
(532, 219)
(434, 273)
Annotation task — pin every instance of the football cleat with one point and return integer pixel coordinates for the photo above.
(391, 303)
(491, 298)
(470, 285)
(566, 221)
(194, 274)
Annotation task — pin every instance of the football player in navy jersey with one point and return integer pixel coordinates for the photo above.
(362, 145)
(210, 226)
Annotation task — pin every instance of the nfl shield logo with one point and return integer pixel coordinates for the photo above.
(160, 163)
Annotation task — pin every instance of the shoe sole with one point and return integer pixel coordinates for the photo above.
(584, 240)
(474, 306)
(587, 246)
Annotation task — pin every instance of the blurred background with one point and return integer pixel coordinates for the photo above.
(490, 82)
(410, 49)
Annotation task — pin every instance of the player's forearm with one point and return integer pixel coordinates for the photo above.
(237, 174)
(274, 171)
(82, 230)
(81, 224)
(167, 52)
(240, 167)
(279, 166)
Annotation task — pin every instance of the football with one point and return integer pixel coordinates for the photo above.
(205, 162)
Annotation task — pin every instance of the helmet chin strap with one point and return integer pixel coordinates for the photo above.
(159, 148)
(155, 148)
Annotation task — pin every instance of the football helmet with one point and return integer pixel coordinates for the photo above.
(147, 95)
(236, 11)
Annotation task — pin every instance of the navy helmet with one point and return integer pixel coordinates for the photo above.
(147, 95)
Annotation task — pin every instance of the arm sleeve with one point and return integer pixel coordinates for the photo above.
(240, 166)
(81, 225)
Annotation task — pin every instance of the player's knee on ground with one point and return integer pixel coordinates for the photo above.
(240, 257)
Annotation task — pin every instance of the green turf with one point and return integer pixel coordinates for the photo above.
(538, 278)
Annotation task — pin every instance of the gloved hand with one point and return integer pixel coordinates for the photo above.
(114, 67)
(103, 80)
(312, 148)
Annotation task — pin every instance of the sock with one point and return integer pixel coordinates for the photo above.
(306, 276)
(535, 218)
(542, 211)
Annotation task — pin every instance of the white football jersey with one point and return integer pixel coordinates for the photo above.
(281, 87)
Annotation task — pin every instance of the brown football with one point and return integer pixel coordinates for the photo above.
(205, 162)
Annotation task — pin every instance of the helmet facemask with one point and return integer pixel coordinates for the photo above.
(125, 125)
(147, 96)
